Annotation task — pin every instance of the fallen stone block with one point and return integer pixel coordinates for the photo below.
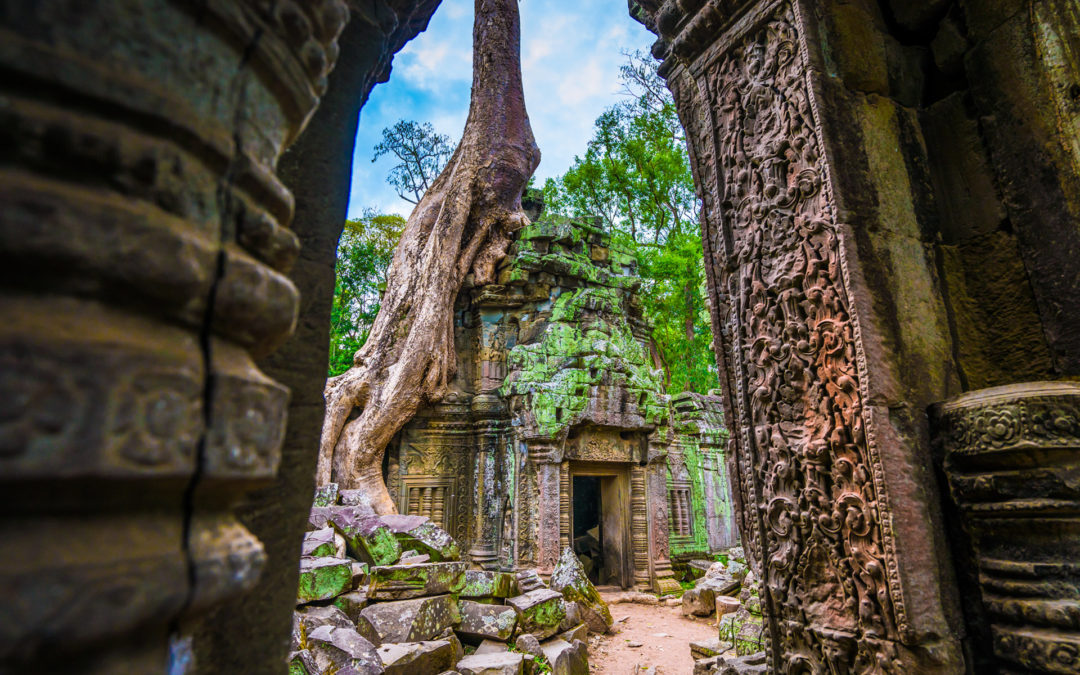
(423, 536)
(336, 649)
(706, 666)
(323, 578)
(698, 601)
(486, 622)
(352, 603)
(450, 636)
(528, 644)
(401, 582)
(485, 584)
(725, 604)
(569, 578)
(506, 663)
(750, 664)
(703, 649)
(578, 632)
(408, 620)
(367, 538)
(417, 658)
(319, 544)
(573, 615)
(326, 495)
(697, 568)
(566, 658)
(491, 647)
(318, 517)
(311, 617)
(539, 612)
(414, 559)
(302, 662)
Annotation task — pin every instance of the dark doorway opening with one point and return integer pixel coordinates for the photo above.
(588, 527)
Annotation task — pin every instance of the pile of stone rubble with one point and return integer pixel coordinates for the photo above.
(729, 590)
(391, 594)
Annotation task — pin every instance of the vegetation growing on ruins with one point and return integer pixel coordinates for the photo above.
(634, 177)
(460, 227)
(633, 182)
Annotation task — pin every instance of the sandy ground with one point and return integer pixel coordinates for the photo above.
(663, 632)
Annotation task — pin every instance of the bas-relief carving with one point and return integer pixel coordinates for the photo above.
(807, 454)
(1011, 462)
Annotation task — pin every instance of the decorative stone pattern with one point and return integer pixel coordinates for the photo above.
(1011, 459)
(144, 245)
(555, 358)
(809, 460)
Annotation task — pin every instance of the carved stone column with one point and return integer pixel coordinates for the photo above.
(1012, 457)
(803, 224)
(639, 526)
(547, 459)
(655, 487)
(489, 411)
(143, 251)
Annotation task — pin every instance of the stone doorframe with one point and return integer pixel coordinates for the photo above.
(624, 516)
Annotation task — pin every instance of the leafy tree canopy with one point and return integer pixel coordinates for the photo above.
(635, 175)
(364, 252)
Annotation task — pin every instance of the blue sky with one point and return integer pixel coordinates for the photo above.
(571, 53)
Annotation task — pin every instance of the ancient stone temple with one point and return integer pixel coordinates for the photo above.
(559, 431)
(890, 195)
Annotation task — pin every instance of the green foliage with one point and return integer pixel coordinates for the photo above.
(635, 176)
(363, 256)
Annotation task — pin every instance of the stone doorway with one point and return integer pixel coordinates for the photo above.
(599, 513)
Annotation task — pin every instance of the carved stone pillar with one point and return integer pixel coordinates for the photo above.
(547, 460)
(1012, 457)
(840, 516)
(143, 251)
(488, 485)
(656, 507)
(639, 526)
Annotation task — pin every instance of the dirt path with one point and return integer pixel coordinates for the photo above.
(664, 635)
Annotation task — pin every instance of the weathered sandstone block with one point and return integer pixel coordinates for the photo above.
(323, 578)
(408, 620)
(481, 621)
(401, 582)
(539, 612)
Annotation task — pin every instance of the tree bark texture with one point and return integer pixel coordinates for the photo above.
(461, 225)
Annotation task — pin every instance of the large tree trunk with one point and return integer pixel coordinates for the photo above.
(461, 225)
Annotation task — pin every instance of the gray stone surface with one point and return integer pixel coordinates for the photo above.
(400, 582)
(408, 620)
(481, 621)
(352, 603)
(417, 658)
(539, 612)
(336, 648)
(423, 536)
(506, 663)
(486, 584)
(569, 578)
(323, 578)
(566, 658)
